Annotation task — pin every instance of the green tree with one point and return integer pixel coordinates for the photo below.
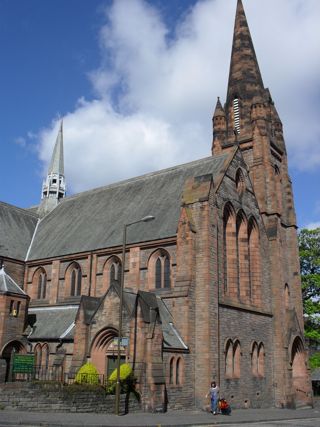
(309, 250)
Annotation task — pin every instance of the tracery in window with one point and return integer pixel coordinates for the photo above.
(160, 265)
(74, 277)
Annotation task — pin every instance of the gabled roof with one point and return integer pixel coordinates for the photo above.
(94, 219)
(8, 285)
(16, 230)
(53, 322)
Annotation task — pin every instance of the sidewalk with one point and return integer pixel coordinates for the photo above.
(171, 418)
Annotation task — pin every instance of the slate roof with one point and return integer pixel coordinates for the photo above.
(16, 230)
(8, 285)
(150, 303)
(53, 322)
(94, 219)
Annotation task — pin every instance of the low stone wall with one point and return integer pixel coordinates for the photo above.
(55, 397)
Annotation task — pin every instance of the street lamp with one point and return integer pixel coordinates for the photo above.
(124, 241)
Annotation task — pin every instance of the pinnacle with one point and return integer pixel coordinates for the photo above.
(219, 111)
(245, 79)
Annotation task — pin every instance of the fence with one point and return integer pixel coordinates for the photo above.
(57, 374)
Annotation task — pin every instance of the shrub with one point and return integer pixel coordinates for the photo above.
(127, 379)
(314, 361)
(87, 374)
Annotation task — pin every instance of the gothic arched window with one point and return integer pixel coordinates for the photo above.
(254, 262)
(160, 265)
(230, 251)
(75, 280)
(42, 285)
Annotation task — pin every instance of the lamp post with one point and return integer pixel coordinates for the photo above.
(124, 241)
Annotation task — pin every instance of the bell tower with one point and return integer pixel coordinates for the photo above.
(250, 120)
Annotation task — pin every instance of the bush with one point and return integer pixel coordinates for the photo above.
(127, 379)
(314, 361)
(87, 374)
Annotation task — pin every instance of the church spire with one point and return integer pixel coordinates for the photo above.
(245, 79)
(53, 188)
(57, 163)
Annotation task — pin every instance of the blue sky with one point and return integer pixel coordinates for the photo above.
(137, 81)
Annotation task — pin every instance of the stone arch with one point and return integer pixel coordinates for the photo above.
(243, 257)
(171, 372)
(15, 346)
(45, 356)
(236, 359)
(254, 358)
(255, 269)
(298, 359)
(230, 251)
(261, 360)
(159, 270)
(111, 272)
(228, 351)
(179, 371)
(104, 350)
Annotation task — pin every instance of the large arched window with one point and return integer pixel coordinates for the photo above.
(115, 271)
(230, 251)
(111, 275)
(160, 269)
(39, 284)
(42, 285)
(254, 262)
(243, 257)
(171, 370)
(229, 359)
(74, 279)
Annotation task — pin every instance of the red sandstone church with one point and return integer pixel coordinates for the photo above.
(212, 285)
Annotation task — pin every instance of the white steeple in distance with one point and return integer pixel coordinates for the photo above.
(54, 188)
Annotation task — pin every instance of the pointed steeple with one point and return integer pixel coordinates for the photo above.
(245, 79)
(57, 163)
(53, 188)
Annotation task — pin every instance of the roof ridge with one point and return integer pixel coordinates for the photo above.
(139, 177)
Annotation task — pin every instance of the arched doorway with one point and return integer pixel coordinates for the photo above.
(8, 349)
(104, 351)
(299, 373)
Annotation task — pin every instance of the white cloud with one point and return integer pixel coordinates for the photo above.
(155, 94)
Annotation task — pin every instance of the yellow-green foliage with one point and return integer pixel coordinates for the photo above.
(87, 374)
(126, 379)
(125, 372)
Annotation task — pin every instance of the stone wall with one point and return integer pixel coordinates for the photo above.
(45, 397)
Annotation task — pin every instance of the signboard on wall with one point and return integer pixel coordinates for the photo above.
(23, 363)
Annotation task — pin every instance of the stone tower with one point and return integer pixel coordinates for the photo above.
(250, 120)
(53, 188)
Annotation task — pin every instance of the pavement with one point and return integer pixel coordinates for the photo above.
(252, 417)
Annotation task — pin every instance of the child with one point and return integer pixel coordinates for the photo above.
(224, 407)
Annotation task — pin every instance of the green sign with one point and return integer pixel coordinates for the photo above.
(23, 363)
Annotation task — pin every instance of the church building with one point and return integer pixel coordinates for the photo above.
(211, 287)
